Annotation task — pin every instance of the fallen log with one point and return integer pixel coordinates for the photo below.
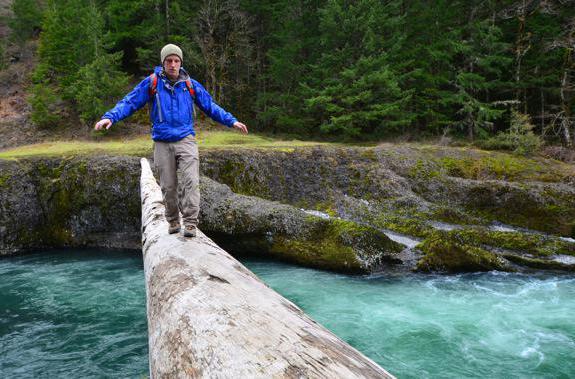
(209, 316)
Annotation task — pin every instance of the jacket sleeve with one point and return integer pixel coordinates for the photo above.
(205, 102)
(133, 101)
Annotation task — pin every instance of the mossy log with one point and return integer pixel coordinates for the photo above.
(209, 316)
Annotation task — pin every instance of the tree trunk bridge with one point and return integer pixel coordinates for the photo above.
(209, 316)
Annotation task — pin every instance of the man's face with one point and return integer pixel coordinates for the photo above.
(172, 65)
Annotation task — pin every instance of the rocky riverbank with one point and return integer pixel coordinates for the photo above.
(334, 208)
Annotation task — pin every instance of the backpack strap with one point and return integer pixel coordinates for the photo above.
(153, 84)
(191, 89)
(152, 91)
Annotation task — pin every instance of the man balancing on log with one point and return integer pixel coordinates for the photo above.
(171, 94)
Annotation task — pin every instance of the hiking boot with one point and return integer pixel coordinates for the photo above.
(174, 227)
(190, 231)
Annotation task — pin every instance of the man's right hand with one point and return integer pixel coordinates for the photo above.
(103, 123)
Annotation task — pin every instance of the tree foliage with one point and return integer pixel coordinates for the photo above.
(27, 19)
(75, 65)
(360, 69)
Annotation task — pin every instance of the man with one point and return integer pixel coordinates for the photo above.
(171, 94)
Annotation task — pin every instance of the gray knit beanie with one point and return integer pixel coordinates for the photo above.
(171, 49)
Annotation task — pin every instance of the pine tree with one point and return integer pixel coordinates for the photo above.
(68, 51)
(352, 90)
(481, 63)
(293, 46)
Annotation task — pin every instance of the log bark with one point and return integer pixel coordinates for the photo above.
(209, 316)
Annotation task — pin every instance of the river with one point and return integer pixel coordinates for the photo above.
(82, 314)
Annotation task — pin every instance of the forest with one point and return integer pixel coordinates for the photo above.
(500, 73)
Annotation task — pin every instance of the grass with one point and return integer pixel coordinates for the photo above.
(142, 145)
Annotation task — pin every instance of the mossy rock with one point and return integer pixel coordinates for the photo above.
(444, 252)
(270, 228)
(453, 215)
(327, 255)
(57, 202)
(538, 263)
(536, 244)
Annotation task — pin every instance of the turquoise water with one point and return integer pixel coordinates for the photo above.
(73, 314)
(492, 325)
(82, 314)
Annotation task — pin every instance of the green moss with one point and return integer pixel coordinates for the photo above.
(326, 207)
(446, 253)
(481, 165)
(535, 244)
(423, 170)
(369, 153)
(4, 180)
(326, 254)
(502, 167)
(453, 216)
(414, 224)
(242, 178)
(553, 212)
(58, 199)
(336, 245)
(65, 187)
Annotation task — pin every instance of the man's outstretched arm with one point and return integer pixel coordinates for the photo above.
(133, 101)
(214, 111)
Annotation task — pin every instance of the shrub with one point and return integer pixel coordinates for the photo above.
(47, 106)
(519, 138)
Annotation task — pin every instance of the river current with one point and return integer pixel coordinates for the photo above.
(82, 314)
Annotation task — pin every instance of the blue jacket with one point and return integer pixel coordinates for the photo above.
(171, 110)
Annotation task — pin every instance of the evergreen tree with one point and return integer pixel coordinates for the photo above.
(99, 84)
(67, 42)
(428, 62)
(293, 46)
(352, 89)
(482, 61)
(68, 50)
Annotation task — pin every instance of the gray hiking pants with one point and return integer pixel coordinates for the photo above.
(173, 159)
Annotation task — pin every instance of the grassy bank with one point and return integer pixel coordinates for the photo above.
(142, 145)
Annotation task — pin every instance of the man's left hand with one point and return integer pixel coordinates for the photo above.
(241, 127)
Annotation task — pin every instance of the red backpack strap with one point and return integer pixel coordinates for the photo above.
(191, 89)
(153, 84)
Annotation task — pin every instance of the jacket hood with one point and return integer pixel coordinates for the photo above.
(159, 70)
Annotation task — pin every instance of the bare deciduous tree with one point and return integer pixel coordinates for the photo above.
(562, 121)
(224, 33)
